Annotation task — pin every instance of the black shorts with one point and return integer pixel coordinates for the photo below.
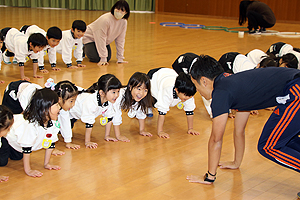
(227, 60)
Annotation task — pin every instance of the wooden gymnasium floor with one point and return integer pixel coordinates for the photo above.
(147, 168)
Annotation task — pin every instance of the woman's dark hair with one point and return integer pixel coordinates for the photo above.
(121, 5)
(105, 83)
(206, 66)
(185, 85)
(267, 62)
(6, 118)
(290, 60)
(243, 11)
(37, 39)
(66, 90)
(136, 80)
(38, 108)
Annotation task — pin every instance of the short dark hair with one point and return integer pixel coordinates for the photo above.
(105, 83)
(54, 32)
(121, 5)
(206, 66)
(80, 25)
(40, 103)
(1, 37)
(267, 62)
(6, 117)
(184, 85)
(37, 39)
(290, 60)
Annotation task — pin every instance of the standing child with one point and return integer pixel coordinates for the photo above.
(72, 39)
(135, 99)
(97, 100)
(53, 37)
(6, 121)
(35, 129)
(21, 46)
(170, 89)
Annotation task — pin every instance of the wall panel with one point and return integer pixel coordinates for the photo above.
(284, 10)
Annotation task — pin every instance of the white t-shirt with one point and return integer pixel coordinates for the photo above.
(25, 134)
(162, 89)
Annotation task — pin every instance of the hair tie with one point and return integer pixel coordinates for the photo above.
(50, 84)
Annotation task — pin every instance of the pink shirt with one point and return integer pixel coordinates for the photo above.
(104, 31)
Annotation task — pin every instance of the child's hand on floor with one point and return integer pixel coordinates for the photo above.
(72, 146)
(48, 166)
(144, 133)
(57, 152)
(108, 138)
(123, 138)
(34, 173)
(163, 135)
(3, 178)
(91, 145)
(193, 132)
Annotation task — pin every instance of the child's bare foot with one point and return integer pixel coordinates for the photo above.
(57, 152)
(3, 178)
(44, 71)
(108, 138)
(144, 133)
(1, 81)
(91, 145)
(123, 138)
(72, 146)
(254, 112)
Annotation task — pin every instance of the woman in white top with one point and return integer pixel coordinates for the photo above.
(103, 31)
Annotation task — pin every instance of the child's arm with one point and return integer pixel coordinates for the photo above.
(107, 131)
(142, 128)
(41, 62)
(47, 160)
(88, 143)
(22, 73)
(160, 124)
(27, 168)
(118, 134)
(78, 53)
(190, 119)
(35, 67)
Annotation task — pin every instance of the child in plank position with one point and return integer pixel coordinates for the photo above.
(97, 100)
(53, 36)
(21, 46)
(72, 39)
(17, 96)
(33, 130)
(135, 98)
(170, 89)
(6, 121)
